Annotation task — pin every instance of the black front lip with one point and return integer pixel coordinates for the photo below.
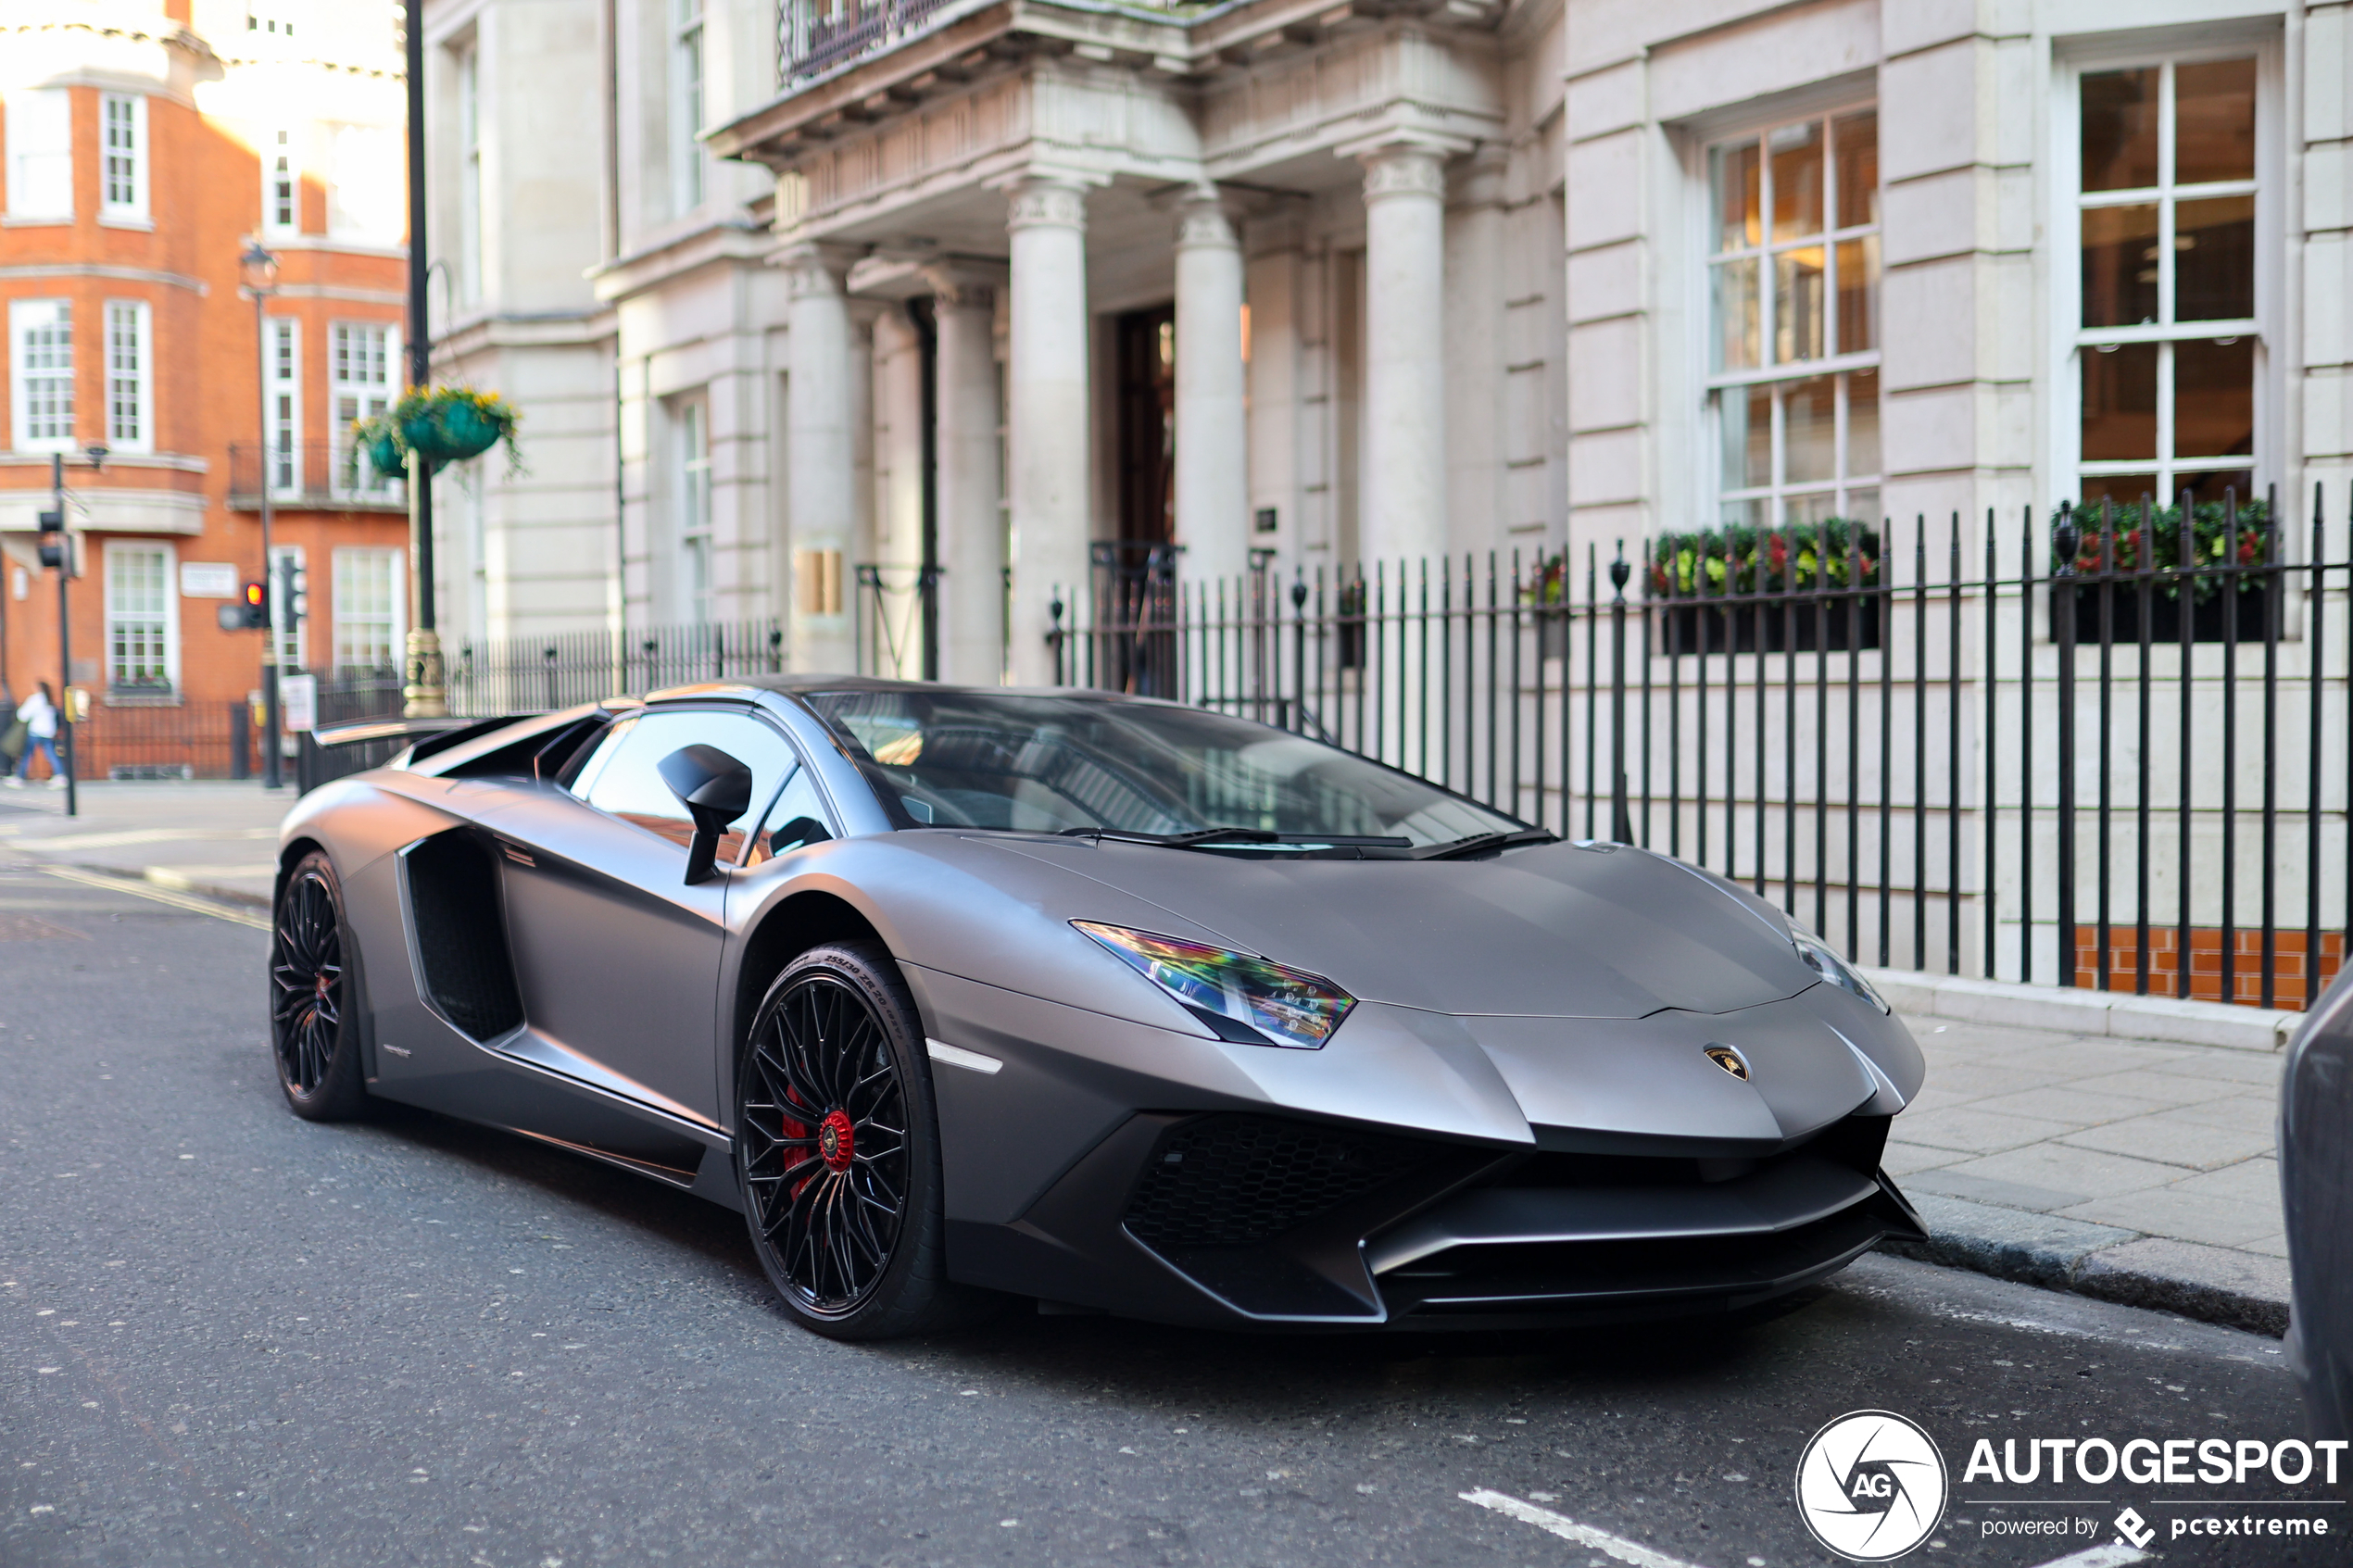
(1449, 1243)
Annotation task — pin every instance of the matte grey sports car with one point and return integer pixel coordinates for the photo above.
(1115, 1004)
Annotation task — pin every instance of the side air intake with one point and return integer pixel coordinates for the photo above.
(461, 942)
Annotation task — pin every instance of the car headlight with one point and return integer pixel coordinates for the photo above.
(1825, 962)
(1243, 998)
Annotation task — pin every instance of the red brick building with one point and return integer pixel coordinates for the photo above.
(143, 144)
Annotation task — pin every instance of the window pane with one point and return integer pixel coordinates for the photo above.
(2214, 397)
(1859, 294)
(2120, 265)
(2214, 259)
(2119, 402)
(2119, 129)
(1797, 305)
(1745, 514)
(2214, 121)
(1862, 423)
(1733, 174)
(1855, 143)
(1796, 152)
(631, 788)
(1736, 315)
(2216, 486)
(1809, 430)
(1747, 427)
(1862, 505)
(2120, 489)
(1809, 509)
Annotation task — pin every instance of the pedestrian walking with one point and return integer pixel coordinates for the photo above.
(38, 714)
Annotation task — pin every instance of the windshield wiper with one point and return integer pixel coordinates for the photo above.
(1479, 842)
(1211, 836)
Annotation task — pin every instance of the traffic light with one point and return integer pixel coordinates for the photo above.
(53, 539)
(252, 614)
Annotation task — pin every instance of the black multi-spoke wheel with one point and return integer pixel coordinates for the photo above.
(310, 993)
(837, 1148)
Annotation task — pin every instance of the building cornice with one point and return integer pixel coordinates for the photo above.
(736, 240)
(38, 270)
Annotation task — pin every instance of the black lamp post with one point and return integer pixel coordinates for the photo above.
(259, 271)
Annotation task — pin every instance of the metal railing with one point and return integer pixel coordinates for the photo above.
(311, 474)
(2047, 753)
(813, 36)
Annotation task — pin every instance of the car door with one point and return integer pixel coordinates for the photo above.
(617, 957)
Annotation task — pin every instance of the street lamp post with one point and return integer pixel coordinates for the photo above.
(260, 272)
(422, 691)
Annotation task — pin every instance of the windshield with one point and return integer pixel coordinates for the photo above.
(1049, 764)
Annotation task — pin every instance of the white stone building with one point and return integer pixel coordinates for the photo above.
(909, 282)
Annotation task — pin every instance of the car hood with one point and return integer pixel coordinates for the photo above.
(1557, 930)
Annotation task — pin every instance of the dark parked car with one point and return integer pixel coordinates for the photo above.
(2316, 1183)
(1112, 1003)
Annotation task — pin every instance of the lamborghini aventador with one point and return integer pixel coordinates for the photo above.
(1115, 1005)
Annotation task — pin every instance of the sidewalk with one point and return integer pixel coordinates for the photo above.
(218, 839)
(2135, 1171)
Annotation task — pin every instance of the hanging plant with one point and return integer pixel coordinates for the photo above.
(442, 425)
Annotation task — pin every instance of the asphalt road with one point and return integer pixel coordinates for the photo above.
(227, 1335)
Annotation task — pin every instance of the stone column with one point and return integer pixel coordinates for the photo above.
(1479, 359)
(1048, 420)
(1212, 453)
(1403, 509)
(972, 546)
(821, 454)
(897, 646)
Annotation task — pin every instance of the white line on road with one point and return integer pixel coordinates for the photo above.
(161, 895)
(2115, 1554)
(1569, 1529)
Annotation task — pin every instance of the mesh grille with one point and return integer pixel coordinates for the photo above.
(1234, 1181)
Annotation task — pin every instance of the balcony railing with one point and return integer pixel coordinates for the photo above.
(813, 36)
(312, 474)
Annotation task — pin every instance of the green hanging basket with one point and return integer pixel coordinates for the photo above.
(442, 425)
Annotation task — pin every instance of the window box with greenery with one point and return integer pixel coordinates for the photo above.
(2137, 550)
(1798, 587)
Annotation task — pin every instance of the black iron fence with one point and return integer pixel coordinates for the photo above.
(2101, 749)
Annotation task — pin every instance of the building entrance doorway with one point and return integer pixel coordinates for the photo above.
(1136, 573)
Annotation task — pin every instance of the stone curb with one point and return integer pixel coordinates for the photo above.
(2068, 1012)
(2242, 1290)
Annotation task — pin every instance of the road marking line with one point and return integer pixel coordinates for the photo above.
(160, 895)
(2115, 1554)
(1569, 1529)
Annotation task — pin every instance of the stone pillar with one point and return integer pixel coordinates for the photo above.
(1478, 359)
(821, 454)
(972, 546)
(895, 648)
(1046, 382)
(1404, 489)
(1212, 453)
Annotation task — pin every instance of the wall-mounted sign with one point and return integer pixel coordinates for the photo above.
(207, 580)
(298, 702)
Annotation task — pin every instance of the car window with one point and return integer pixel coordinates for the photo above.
(796, 820)
(584, 777)
(627, 782)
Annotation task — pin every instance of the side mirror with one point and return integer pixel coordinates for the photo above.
(715, 790)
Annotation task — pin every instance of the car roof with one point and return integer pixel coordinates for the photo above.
(803, 685)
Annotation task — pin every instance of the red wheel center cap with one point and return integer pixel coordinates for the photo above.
(835, 1138)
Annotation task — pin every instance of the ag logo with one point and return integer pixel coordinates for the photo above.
(1870, 1486)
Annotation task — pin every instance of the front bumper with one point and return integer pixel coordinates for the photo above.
(1240, 1220)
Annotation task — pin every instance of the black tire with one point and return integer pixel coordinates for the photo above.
(837, 1151)
(314, 1027)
